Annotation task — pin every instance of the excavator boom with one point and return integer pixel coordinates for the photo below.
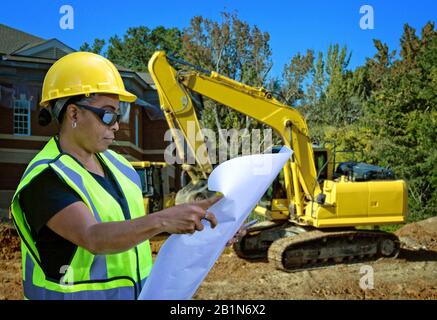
(174, 91)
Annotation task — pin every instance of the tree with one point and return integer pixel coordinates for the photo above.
(294, 75)
(333, 95)
(136, 47)
(232, 48)
(386, 108)
(95, 48)
(401, 112)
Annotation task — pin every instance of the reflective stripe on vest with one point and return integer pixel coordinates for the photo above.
(34, 292)
(77, 179)
(128, 172)
(33, 165)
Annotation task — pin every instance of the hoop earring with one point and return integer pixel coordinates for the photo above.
(74, 124)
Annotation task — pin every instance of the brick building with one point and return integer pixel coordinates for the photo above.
(24, 61)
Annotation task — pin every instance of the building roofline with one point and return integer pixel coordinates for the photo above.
(18, 30)
(24, 51)
(16, 39)
(45, 63)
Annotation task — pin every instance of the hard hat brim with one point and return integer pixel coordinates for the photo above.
(127, 96)
(123, 95)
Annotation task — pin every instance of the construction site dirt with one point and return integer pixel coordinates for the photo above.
(412, 275)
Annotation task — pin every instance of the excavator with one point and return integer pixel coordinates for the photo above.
(321, 217)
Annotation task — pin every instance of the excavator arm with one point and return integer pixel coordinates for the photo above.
(174, 88)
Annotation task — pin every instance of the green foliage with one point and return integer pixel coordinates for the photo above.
(134, 50)
(97, 46)
(401, 112)
(294, 76)
(232, 48)
(386, 109)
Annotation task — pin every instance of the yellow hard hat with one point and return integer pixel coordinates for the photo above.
(83, 73)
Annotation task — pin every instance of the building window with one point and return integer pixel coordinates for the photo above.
(22, 116)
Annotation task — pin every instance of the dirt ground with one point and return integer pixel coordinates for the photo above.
(413, 275)
(10, 263)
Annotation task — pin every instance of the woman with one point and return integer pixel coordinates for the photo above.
(79, 207)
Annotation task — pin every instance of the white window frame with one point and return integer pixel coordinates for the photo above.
(21, 117)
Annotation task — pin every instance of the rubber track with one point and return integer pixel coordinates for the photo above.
(318, 239)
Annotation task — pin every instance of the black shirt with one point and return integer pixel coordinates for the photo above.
(43, 198)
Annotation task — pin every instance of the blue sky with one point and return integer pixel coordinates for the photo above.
(293, 25)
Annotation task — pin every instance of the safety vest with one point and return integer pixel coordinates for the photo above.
(88, 276)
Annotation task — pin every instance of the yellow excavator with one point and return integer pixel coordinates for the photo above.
(314, 223)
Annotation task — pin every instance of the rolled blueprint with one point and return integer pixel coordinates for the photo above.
(184, 260)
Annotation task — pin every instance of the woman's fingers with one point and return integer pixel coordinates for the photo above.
(211, 218)
(205, 204)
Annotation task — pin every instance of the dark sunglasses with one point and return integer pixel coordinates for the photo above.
(107, 117)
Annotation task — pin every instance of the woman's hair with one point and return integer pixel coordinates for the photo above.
(56, 109)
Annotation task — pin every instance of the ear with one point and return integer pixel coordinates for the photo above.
(72, 112)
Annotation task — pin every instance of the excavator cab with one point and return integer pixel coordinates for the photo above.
(278, 203)
(323, 163)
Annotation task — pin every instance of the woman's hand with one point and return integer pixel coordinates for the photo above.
(186, 218)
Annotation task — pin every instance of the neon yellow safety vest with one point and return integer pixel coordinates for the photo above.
(88, 276)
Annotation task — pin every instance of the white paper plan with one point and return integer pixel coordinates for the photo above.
(185, 260)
